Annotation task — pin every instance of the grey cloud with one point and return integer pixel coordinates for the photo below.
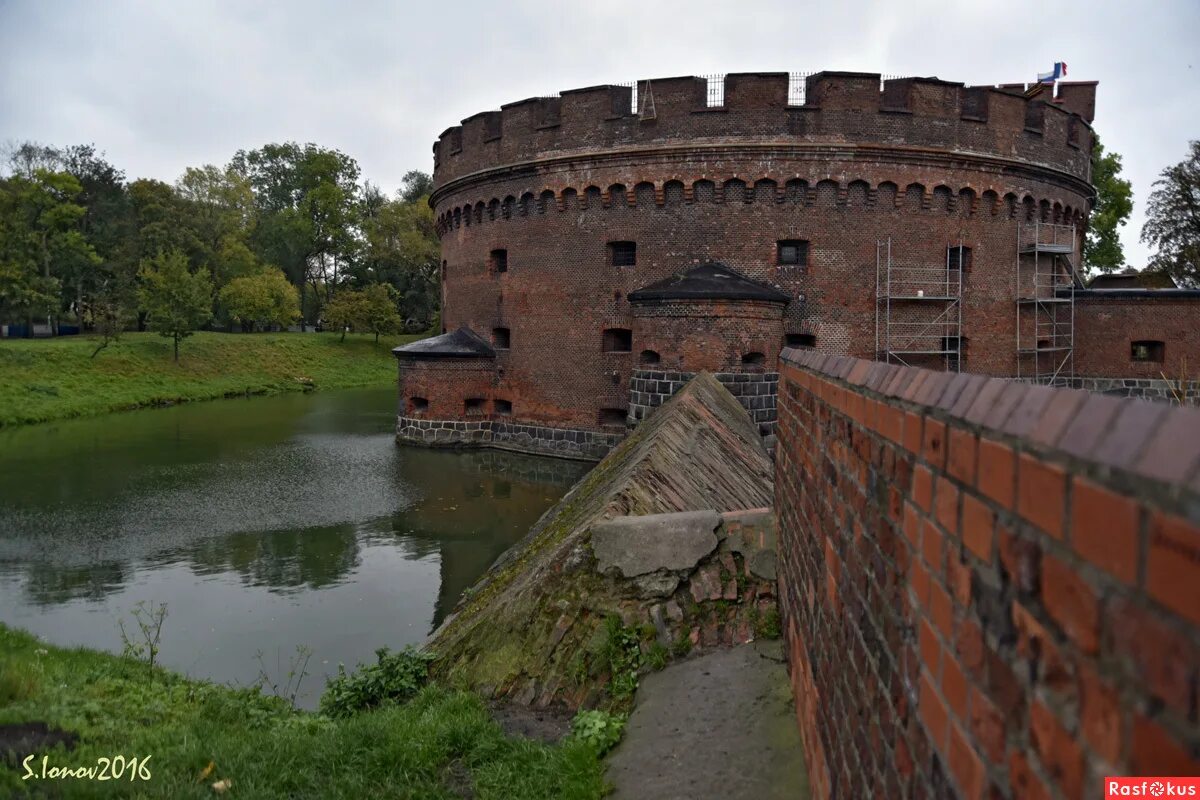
(162, 86)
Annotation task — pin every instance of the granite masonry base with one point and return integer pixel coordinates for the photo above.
(508, 435)
(649, 389)
(1167, 391)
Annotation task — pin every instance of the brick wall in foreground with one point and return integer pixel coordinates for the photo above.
(989, 589)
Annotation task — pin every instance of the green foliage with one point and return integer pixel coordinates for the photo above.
(18, 681)
(681, 646)
(766, 624)
(263, 299)
(372, 310)
(40, 243)
(141, 642)
(657, 656)
(268, 749)
(1173, 219)
(72, 229)
(176, 300)
(401, 249)
(345, 311)
(394, 678)
(1114, 203)
(292, 679)
(598, 729)
(48, 379)
(622, 654)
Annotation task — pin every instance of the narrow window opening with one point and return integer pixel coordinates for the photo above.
(618, 340)
(649, 357)
(791, 253)
(800, 340)
(955, 348)
(1147, 350)
(958, 258)
(502, 407)
(501, 338)
(622, 254)
(499, 261)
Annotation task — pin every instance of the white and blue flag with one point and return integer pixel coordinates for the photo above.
(1059, 71)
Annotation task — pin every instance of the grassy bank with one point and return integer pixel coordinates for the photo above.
(50, 379)
(440, 744)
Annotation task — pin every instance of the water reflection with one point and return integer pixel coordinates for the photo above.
(262, 523)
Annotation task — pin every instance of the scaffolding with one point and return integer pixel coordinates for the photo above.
(918, 309)
(1045, 298)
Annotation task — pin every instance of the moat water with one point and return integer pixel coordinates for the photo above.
(263, 524)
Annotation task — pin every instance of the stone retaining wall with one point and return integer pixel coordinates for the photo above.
(520, 437)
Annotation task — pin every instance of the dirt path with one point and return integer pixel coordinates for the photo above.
(718, 726)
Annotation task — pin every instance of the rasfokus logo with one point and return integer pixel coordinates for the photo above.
(1151, 787)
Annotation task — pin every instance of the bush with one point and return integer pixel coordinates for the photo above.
(394, 678)
(600, 730)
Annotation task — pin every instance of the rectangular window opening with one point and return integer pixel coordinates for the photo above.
(800, 340)
(618, 340)
(1147, 350)
(622, 254)
(473, 406)
(501, 338)
(791, 253)
(502, 407)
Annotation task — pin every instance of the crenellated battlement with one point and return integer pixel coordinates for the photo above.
(846, 108)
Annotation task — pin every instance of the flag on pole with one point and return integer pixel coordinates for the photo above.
(1059, 71)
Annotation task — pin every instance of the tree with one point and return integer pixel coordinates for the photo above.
(400, 247)
(177, 300)
(345, 311)
(265, 298)
(39, 234)
(111, 305)
(416, 185)
(1114, 203)
(220, 208)
(307, 198)
(1173, 219)
(370, 310)
(379, 313)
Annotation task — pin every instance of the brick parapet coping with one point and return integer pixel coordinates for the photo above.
(989, 588)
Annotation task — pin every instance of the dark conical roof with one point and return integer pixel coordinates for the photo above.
(711, 280)
(462, 343)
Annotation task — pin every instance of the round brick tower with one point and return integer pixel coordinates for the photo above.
(612, 229)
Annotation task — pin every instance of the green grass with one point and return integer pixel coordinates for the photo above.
(50, 379)
(441, 744)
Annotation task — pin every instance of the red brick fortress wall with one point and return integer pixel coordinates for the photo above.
(554, 182)
(1110, 324)
(989, 589)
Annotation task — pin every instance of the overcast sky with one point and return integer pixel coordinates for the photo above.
(162, 86)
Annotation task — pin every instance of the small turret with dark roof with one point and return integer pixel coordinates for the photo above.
(462, 343)
(711, 280)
